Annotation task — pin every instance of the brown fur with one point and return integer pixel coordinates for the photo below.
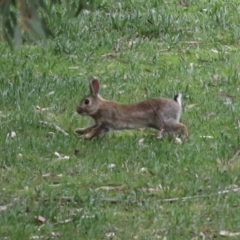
(160, 113)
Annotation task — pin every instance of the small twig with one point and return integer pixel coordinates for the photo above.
(234, 157)
(64, 221)
(169, 200)
(192, 42)
(201, 196)
(54, 126)
(112, 54)
(115, 200)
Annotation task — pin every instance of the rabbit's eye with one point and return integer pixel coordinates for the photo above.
(87, 101)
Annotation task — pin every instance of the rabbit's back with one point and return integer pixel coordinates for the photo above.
(149, 113)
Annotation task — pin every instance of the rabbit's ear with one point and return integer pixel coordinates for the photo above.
(94, 86)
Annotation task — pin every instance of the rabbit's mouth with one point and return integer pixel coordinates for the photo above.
(79, 111)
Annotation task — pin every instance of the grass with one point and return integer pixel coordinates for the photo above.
(112, 187)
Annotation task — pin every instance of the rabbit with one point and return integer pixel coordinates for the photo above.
(162, 114)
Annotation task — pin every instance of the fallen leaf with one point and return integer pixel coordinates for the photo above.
(85, 11)
(131, 43)
(55, 234)
(145, 189)
(74, 67)
(210, 137)
(50, 93)
(12, 134)
(191, 105)
(111, 165)
(219, 162)
(41, 219)
(227, 98)
(2, 208)
(113, 54)
(192, 42)
(66, 221)
(203, 235)
(213, 50)
(39, 109)
(215, 77)
(57, 154)
(88, 216)
(151, 189)
(228, 101)
(50, 134)
(36, 237)
(229, 234)
(143, 169)
(231, 187)
(79, 209)
(117, 47)
(110, 234)
(46, 175)
(140, 141)
(109, 188)
(55, 185)
(61, 156)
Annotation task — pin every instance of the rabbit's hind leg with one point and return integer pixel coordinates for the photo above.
(174, 126)
(182, 129)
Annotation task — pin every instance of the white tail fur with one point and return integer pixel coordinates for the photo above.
(178, 99)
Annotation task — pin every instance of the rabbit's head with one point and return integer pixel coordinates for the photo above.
(89, 105)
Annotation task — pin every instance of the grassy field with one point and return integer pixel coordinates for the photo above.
(57, 186)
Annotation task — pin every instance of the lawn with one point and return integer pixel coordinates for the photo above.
(125, 184)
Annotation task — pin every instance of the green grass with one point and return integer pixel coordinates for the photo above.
(165, 47)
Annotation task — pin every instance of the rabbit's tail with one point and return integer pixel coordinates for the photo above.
(178, 98)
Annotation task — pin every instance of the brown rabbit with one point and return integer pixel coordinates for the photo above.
(162, 114)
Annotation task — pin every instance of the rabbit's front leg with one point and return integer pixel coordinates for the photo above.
(82, 131)
(160, 134)
(95, 132)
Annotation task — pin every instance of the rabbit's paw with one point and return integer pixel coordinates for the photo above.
(160, 134)
(88, 136)
(80, 131)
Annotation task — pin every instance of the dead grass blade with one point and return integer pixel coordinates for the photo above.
(54, 126)
(170, 200)
(234, 157)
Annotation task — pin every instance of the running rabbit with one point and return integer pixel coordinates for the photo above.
(162, 114)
